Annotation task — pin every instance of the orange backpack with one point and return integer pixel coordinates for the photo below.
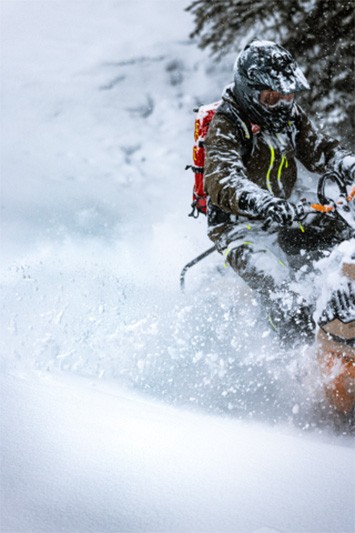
(203, 119)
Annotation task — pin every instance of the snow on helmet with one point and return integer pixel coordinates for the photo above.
(267, 65)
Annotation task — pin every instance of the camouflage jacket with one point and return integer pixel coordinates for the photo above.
(240, 157)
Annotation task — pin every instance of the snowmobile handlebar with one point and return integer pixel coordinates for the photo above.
(330, 176)
(340, 207)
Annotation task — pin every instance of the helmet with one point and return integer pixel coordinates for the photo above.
(266, 65)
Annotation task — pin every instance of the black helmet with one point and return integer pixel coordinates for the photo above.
(267, 65)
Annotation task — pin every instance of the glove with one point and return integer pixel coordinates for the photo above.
(346, 168)
(349, 169)
(268, 207)
(280, 211)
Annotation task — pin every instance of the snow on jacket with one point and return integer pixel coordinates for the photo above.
(239, 160)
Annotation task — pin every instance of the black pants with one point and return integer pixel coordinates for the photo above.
(279, 266)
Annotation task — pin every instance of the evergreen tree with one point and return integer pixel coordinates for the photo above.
(319, 33)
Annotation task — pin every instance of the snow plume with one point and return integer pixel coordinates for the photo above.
(331, 275)
(211, 348)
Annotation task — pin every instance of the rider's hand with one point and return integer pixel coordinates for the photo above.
(279, 211)
(268, 207)
(347, 170)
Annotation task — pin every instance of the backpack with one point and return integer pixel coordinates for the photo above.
(203, 120)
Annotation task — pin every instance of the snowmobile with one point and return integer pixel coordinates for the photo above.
(334, 336)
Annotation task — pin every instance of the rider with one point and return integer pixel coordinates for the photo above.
(253, 142)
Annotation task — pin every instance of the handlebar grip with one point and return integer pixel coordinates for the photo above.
(333, 176)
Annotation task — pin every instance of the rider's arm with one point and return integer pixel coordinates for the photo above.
(225, 177)
(319, 152)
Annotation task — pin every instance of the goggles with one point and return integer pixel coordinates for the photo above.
(270, 98)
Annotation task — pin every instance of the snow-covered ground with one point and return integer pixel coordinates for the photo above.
(85, 457)
(96, 339)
